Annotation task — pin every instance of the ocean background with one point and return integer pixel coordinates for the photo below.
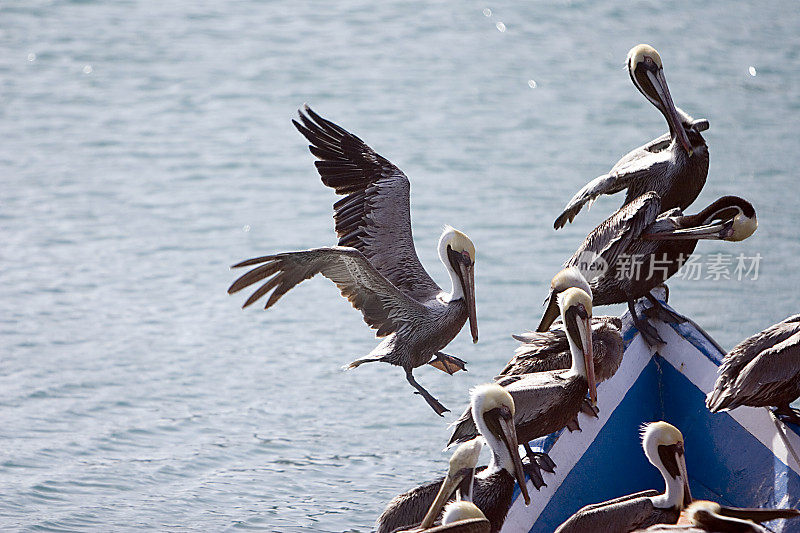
(147, 146)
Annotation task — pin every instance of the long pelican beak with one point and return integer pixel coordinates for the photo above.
(687, 493)
(720, 230)
(468, 285)
(551, 313)
(758, 515)
(509, 437)
(585, 331)
(660, 85)
(449, 485)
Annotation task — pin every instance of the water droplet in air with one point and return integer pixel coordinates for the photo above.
(87, 69)
(31, 57)
(487, 12)
(500, 27)
(752, 71)
(246, 228)
(532, 84)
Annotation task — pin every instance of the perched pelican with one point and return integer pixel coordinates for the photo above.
(663, 446)
(710, 517)
(540, 352)
(463, 517)
(493, 408)
(639, 249)
(459, 516)
(375, 264)
(549, 401)
(566, 278)
(762, 371)
(675, 167)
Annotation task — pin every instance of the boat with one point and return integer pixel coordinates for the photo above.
(742, 458)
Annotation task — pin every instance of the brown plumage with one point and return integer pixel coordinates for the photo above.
(640, 248)
(375, 265)
(762, 371)
(549, 350)
(674, 166)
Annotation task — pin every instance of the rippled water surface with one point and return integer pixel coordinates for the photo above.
(147, 146)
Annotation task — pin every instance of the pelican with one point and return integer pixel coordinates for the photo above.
(463, 517)
(638, 249)
(762, 371)
(674, 166)
(710, 517)
(566, 278)
(493, 408)
(663, 446)
(459, 516)
(375, 264)
(540, 352)
(549, 401)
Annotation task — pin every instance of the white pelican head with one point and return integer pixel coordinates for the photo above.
(663, 446)
(457, 253)
(493, 412)
(565, 279)
(576, 312)
(647, 74)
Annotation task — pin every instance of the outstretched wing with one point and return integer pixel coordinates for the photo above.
(384, 307)
(374, 216)
(634, 166)
(615, 235)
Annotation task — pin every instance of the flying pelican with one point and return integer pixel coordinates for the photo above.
(762, 371)
(675, 167)
(375, 264)
(638, 249)
(663, 446)
(710, 517)
(549, 401)
(493, 408)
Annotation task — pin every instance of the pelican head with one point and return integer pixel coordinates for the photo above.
(647, 74)
(493, 412)
(461, 510)
(459, 478)
(730, 219)
(458, 255)
(576, 312)
(565, 279)
(663, 446)
(711, 516)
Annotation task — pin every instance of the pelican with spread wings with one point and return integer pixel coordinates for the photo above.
(674, 165)
(375, 264)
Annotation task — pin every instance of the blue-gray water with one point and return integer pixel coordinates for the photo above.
(147, 146)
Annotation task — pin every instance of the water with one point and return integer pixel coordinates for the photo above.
(147, 147)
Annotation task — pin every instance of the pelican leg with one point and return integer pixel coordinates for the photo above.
(787, 414)
(588, 409)
(433, 402)
(539, 460)
(649, 333)
(448, 363)
(573, 425)
(662, 313)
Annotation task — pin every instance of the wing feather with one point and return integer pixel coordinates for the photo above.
(374, 216)
(383, 305)
(615, 235)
